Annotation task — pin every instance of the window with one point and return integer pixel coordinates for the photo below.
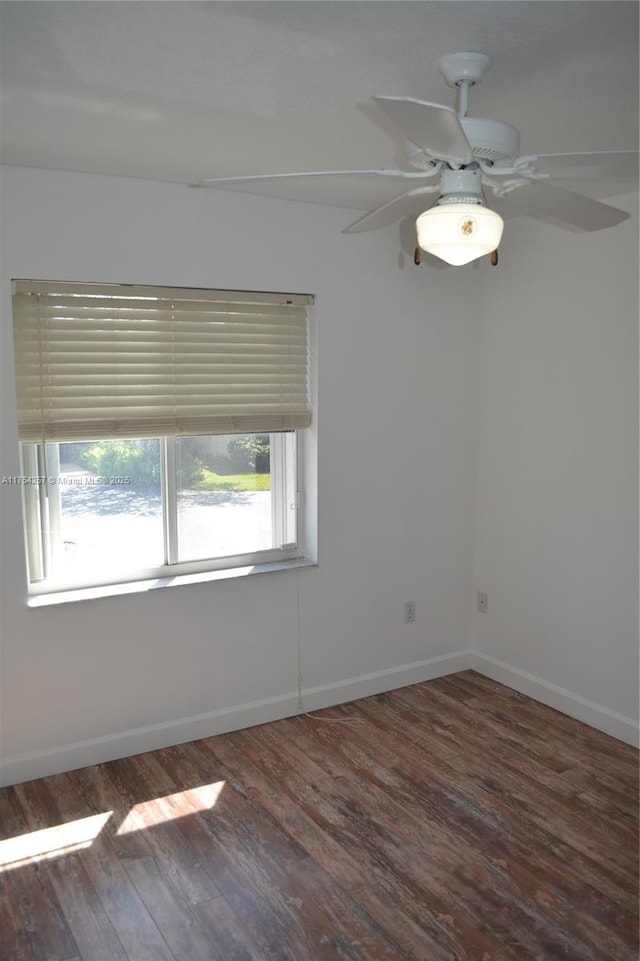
(160, 430)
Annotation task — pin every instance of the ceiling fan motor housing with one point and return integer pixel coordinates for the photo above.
(491, 140)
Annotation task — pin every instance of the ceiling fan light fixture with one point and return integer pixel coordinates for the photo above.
(459, 232)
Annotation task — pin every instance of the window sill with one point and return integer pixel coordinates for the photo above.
(141, 587)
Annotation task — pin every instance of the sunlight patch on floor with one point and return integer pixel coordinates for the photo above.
(51, 842)
(171, 806)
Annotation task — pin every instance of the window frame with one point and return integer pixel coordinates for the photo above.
(286, 469)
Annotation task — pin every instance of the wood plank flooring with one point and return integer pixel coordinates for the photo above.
(453, 820)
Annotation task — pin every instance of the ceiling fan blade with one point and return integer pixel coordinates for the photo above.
(619, 165)
(356, 189)
(558, 206)
(606, 173)
(431, 126)
(413, 202)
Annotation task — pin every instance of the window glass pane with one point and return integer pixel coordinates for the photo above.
(104, 510)
(109, 510)
(224, 495)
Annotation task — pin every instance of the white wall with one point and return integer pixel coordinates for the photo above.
(557, 508)
(504, 402)
(397, 374)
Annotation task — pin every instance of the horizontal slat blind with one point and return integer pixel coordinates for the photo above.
(96, 361)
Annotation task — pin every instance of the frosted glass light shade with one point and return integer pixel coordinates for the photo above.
(459, 233)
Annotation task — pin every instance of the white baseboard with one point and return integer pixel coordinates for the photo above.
(68, 757)
(617, 725)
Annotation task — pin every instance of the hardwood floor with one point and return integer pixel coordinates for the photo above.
(453, 820)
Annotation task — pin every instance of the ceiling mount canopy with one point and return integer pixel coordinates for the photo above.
(463, 68)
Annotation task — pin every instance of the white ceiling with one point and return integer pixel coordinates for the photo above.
(182, 91)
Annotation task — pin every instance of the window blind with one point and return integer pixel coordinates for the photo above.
(98, 361)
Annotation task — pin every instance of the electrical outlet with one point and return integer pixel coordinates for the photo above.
(483, 602)
(409, 612)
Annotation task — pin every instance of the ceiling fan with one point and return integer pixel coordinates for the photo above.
(458, 161)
